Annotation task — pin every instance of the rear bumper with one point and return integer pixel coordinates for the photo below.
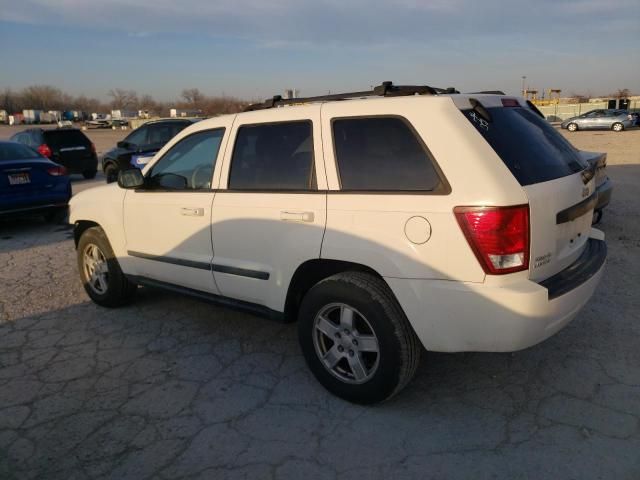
(452, 316)
(79, 165)
(604, 191)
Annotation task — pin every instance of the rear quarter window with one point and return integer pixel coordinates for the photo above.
(382, 154)
(528, 145)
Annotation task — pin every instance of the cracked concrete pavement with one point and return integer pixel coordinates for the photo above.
(174, 388)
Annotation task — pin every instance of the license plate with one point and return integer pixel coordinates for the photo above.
(19, 178)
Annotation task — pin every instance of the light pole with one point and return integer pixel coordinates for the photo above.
(524, 77)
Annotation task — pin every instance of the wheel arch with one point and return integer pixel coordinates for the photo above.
(310, 273)
(81, 226)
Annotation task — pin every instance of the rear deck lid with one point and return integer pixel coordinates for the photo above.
(557, 180)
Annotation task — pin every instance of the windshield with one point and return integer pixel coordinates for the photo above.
(528, 145)
(15, 151)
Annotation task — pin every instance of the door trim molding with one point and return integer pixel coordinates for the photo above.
(241, 272)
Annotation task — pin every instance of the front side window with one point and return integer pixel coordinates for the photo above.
(189, 164)
(277, 156)
(162, 133)
(381, 154)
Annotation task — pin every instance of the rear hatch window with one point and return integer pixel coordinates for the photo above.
(57, 139)
(528, 145)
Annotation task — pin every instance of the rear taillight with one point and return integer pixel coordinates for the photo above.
(93, 148)
(499, 236)
(44, 150)
(57, 171)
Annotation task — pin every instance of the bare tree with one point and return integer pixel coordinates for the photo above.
(9, 100)
(193, 97)
(621, 93)
(123, 99)
(41, 97)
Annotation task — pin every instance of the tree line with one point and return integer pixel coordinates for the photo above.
(47, 97)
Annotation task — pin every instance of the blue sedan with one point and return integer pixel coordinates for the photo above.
(31, 183)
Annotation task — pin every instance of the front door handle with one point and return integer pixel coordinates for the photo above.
(297, 216)
(192, 212)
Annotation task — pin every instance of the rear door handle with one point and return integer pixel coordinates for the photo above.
(297, 216)
(192, 212)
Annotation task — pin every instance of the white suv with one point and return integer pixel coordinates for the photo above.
(381, 221)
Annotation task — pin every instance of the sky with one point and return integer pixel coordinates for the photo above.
(256, 48)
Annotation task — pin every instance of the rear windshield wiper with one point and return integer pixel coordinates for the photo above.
(589, 172)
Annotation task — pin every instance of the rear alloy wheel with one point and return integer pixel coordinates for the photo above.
(617, 127)
(100, 271)
(572, 127)
(111, 172)
(356, 339)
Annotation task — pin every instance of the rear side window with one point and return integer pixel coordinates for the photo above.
(381, 154)
(16, 151)
(277, 156)
(65, 138)
(528, 145)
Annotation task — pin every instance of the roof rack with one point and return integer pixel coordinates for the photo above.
(386, 89)
(489, 92)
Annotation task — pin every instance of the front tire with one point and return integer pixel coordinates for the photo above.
(100, 271)
(617, 127)
(572, 127)
(356, 339)
(111, 173)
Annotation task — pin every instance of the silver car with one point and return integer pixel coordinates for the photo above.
(611, 119)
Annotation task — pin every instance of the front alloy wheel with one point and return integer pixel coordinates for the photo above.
(617, 127)
(572, 127)
(96, 269)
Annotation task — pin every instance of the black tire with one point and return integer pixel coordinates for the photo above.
(119, 290)
(56, 215)
(398, 346)
(572, 127)
(89, 174)
(111, 172)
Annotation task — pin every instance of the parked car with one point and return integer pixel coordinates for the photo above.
(31, 183)
(616, 120)
(67, 146)
(141, 145)
(411, 217)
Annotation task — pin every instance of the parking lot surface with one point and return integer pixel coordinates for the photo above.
(171, 387)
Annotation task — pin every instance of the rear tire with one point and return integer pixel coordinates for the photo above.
(100, 271)
(89, 174)
(356, 339)
(572, 127)
(111, 172)
(617, 127)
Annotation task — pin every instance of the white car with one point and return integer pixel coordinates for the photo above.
(382, 221)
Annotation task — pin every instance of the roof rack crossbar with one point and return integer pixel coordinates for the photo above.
(386, 89)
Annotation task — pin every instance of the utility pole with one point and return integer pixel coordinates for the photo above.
(524, 92)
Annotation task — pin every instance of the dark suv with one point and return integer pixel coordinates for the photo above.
(66, 146)
(141, 145)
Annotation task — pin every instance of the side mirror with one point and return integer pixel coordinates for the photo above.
(130, 178)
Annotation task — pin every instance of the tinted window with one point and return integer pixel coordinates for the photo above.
(65, 138)
(189, 164)
(529, 146)
(162, 133)
(273, 157)
(16, 151)
(381, 153)
(137, 137)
